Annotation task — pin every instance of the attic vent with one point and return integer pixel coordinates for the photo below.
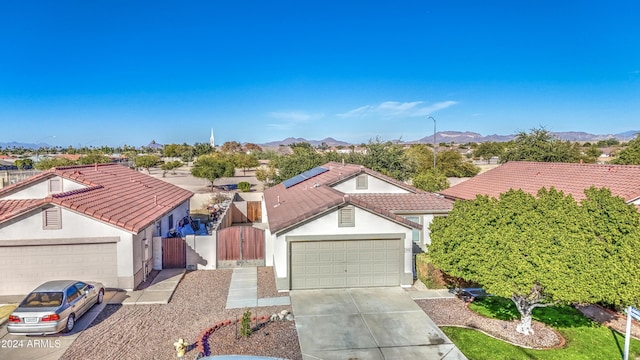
(362, 182)
(55, 185)
(347, 217)
(51, 219)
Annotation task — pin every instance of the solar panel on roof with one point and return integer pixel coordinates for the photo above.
(304, 176)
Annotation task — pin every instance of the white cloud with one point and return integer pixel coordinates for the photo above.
(391, 109)
(290, 119)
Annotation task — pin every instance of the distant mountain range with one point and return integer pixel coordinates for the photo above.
(458, 137)
(461, 137)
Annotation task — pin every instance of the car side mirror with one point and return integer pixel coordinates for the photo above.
(90, 287)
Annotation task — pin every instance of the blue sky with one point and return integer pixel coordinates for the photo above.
(127, 72)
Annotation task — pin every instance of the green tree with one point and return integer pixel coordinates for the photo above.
(146, 162)
(430, 180)
(420, 157)
(543, 250)
(452, 164)
(212, 167)
(540, 145)
(245, 161)
(94, 158)
(304, 157)
(266, 174)
(23, 164)
(200, 149)
(629, 155)
(489, 149)
(387, 158)
(170, 166)
(48, 163)
(244, 186)
(591, 154)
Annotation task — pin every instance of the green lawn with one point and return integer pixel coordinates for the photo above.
(585, 339)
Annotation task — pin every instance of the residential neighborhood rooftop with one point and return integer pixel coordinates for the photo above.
(112, 193)
(571, 178)
(287, 206)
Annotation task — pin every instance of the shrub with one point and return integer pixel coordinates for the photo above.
(244, 186)
(434, 278)
(245, 324)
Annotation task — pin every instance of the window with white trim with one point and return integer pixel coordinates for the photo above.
(347, 217)
(416, 233)
(52, 219)
(362, 182)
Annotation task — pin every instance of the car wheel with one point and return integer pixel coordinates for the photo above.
(100, 296)
(71, 322)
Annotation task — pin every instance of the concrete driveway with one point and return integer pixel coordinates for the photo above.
(367, 323)
(50, 347)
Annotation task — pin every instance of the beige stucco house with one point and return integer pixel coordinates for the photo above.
(91, 223)
(343, 225)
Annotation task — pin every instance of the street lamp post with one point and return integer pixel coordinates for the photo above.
(434, 141)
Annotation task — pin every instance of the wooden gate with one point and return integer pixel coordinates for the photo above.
(240, 246)
(174, 253)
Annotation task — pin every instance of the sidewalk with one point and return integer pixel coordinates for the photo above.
(159, 292)
(419, 292)
(243, 291)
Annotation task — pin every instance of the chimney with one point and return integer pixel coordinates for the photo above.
(96, 165)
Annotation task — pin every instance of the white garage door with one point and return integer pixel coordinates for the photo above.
(347, 263)
(25, 267)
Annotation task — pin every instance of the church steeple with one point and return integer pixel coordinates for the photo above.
(212, 140)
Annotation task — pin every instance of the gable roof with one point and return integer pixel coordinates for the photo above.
(287, 207)
(571, 178)
(113, 194)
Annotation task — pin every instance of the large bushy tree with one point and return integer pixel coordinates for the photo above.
(146, 162)
(540, 145)
(489, 149)
(629, 155)
(543, 250)
(213, 167)
(387, 158)
(430, 180)
(304, 157)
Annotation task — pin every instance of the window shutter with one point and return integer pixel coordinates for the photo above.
(347, 217)
(51, 219)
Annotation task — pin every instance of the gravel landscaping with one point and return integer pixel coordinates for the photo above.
(149, 331)
(454, 312)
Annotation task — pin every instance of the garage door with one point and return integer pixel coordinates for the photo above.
(347, 263)
(25, 267)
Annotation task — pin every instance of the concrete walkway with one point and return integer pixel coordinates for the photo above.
(367, 323)
(159, 292)
(243, 291)
(430, 294)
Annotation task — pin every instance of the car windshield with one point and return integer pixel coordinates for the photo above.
(42, 299)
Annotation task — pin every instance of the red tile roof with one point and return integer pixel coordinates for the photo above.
(622, 180)
(287, 207)
(406, 202)
(114, 194)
